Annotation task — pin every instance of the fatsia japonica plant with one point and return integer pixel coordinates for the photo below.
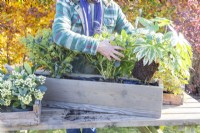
(158, 44)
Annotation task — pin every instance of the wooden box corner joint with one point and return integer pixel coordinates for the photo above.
(26, 118)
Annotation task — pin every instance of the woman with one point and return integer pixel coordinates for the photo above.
(77, 20)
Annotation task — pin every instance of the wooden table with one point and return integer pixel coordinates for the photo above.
(186, 114)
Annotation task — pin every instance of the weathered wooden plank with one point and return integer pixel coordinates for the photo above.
(52, 118)
(16, 122)
(186, 105)
(17, 115)
(104, 109)
(77, 119)
(100, 96)
(185, 111)
(21, 118)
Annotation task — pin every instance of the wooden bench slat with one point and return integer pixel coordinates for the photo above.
(51, 118)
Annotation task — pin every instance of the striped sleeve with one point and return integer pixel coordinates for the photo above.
(64, 36)
(122, 23)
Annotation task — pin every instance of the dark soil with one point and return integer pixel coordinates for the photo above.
(119, 80)
(72, 115)
(144, 73)
(101, 79)
(5, 109)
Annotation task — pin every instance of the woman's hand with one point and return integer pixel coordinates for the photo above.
(109, 51)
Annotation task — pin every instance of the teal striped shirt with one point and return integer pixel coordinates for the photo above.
(68, 26)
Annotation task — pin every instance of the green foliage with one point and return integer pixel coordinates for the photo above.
(154, 40)
(27, 67)
(114, 69)
(180, 129)
(172, 84)
(44, 53)
(127, 62)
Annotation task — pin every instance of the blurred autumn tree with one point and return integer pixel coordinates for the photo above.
(150, 8)
(188, 22)
(19, 18)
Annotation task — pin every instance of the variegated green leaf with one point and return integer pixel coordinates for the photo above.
(142, 31)
(145, 61)
(156, 27)
(140, 41)
(139, 48)
(141, 54)
(145, 22)
(152, 54)
(168, 35)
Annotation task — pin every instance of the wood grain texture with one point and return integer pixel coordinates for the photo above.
(105, 97)
(103, 109)
(52, 118)
(21, 118)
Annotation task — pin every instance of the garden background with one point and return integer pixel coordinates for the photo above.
(18, 18)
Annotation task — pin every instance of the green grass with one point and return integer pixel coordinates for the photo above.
(169, 129)
(118, 130)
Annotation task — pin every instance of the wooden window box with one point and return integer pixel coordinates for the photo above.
(129, 99)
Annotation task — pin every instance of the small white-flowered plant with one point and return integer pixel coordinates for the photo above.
(38, 94)
(20, 89)
(41, 79)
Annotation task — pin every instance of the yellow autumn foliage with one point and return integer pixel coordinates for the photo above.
(17, 19)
